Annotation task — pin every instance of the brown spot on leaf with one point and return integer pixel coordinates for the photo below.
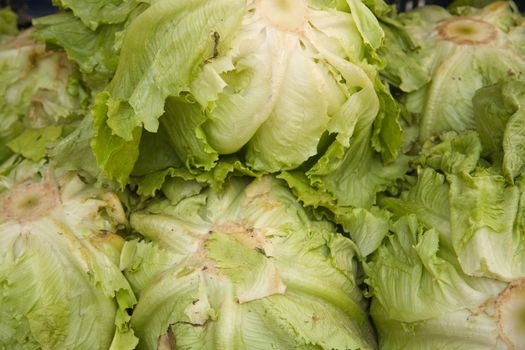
(510, 314)
(29, 201)
(167, 341)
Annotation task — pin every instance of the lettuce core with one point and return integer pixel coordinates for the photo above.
(29, 201)
(286, 15)
(468, 31)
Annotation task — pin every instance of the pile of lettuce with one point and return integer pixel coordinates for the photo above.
(263, 174)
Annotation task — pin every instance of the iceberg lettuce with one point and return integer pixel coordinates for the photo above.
(242, 268)
(275, 83)
(450, 272)
(441, 59)
(60, 284)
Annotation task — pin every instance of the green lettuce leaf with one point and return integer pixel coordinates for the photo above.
(94, 13)
(95, 51)
(461, 330)
(428, 200)
(31, 143)
(500, 118)
(484, 211)
(149, 184)
(355, 176)
(114, 155)
(403, 69)
(452, 153)
(73, 151)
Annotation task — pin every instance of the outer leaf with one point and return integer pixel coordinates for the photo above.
(367, 23)
(95, 52)
(142, 82)
(403, 68)
(428, 200)
(483, 216)
(387, 137)
(182, 124)
(93, 13)
(500, 119)
(459, 330)
(227, 167)
(452, 153)
(73, 152)
(115, 156)
(359, 176)
(32, 142)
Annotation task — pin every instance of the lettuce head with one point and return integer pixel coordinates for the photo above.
(441, 59)
(451, 272)
(39, 93)
(274, 83)
(242, 268)
(60, 284)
